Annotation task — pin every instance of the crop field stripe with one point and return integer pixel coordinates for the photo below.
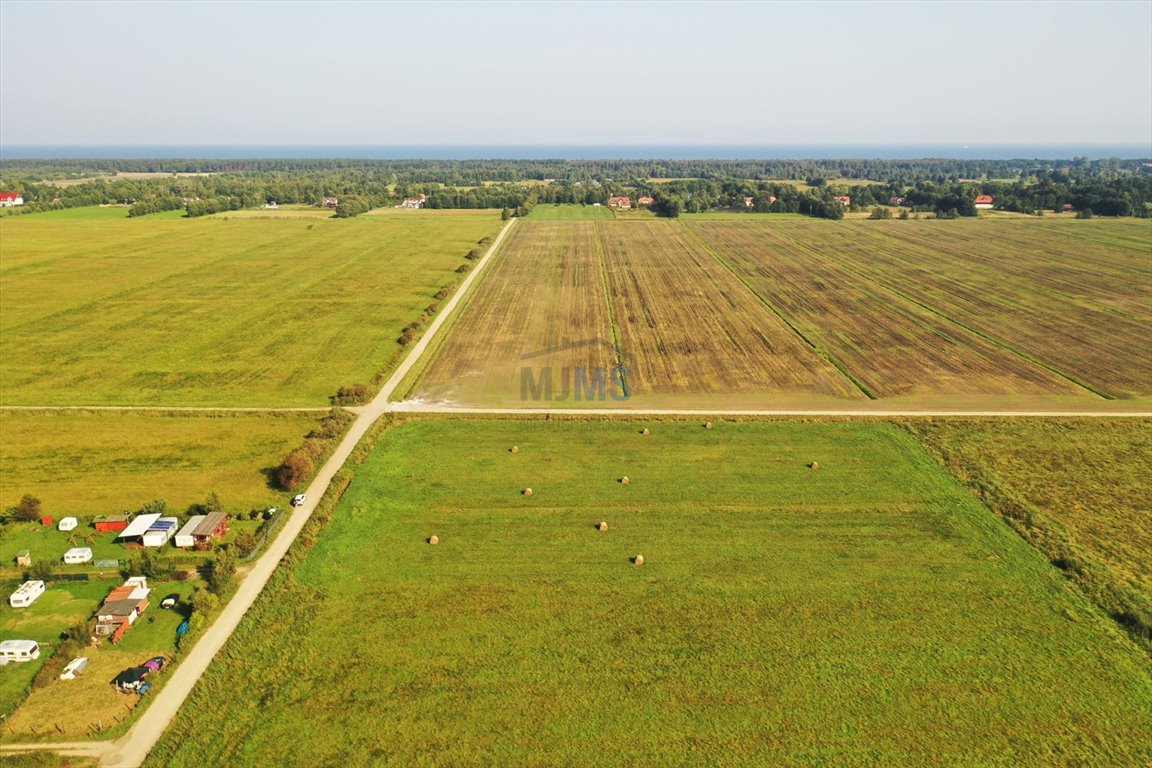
(902, 348)
(604, 285)
(823, 352)
(1062, 328)
(998, 341)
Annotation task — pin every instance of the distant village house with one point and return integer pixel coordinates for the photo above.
(645, 201)
(9, 199)
(413, 202)
(844, 200)
(330, 202)
(620, 202)
(984, 201)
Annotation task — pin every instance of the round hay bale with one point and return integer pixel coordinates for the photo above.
(639, 559)
(815, 465)
(433, 539)
(527, 491)
(707, 425)
(603, 526)
(514, 449)
(645, 431)
(624, 480)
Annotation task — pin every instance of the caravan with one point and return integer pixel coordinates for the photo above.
(18, 650)
(28, 593)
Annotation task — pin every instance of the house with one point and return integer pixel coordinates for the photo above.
(984, 201)
(107, 523)
(1067, 207)
(26, 594)
(213, 526)
(620, 202)
(645, 200)
(9, 199)
(18, 650)
(413, 202)
(271, 205)
(78, 555)
(749, 201)
(330, 202)
(897, 201)
(121, 608)
(844, 200)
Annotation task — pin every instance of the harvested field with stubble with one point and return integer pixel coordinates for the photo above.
(688, 326)
(869, 613)
(541, 305)
(1072, 295)
(892, 346)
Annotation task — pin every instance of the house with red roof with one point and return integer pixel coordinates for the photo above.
(9, 199)
(984, 201)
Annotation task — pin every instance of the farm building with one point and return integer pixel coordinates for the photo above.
(749, 201)
(148, 531)
(26, 594)
(984, 201)
(844, 200)
(330, 202)
(18, 650)
(109, 523)
(9, 199)
(620, 202)
(78, 555)
(121, 608)
(645, 200)
(413, 202)
(183, 538)
(160, 532)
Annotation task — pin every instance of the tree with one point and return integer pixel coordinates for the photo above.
(295, 468)
(27, 510)
(222, 571)
(504, 214)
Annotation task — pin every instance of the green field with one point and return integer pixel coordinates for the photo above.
(559, 212)
(86, 463)
(870, 612)
(268, 310)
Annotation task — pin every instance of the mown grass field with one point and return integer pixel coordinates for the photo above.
(87, 463)
(268, 310)
(1077, 488)
(870, 612)
(778, 312)
(562, 212)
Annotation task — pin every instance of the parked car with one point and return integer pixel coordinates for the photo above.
(299, 499)
(269, 513)
(170, 601)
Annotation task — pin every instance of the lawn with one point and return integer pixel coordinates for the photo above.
(262, 309)
(868, 612)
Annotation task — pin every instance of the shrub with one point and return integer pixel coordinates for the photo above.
(353, 394)
(297, 466)
(463, 268)
(245, 542)
(27, 510)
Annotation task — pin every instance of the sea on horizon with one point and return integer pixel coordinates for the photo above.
(573, 151)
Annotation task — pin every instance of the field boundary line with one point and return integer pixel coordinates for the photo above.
(416, 407)
(827, 356)
(206, 409)
(606, 284)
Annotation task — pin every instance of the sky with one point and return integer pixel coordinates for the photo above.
(165, 73)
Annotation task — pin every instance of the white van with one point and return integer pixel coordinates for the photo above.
(78, 555)
(18, 650)
(67, 524)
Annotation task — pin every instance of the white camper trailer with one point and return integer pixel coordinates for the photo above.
(26, 594)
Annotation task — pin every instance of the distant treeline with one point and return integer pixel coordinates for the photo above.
(944, 187)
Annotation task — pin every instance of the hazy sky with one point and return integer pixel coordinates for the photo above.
(615, 73)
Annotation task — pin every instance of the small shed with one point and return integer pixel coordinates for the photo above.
(213, 526)
(46, 521)
(160, 532)
(111, 523)
(74, 668)
(132, 534)
(24, 557)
